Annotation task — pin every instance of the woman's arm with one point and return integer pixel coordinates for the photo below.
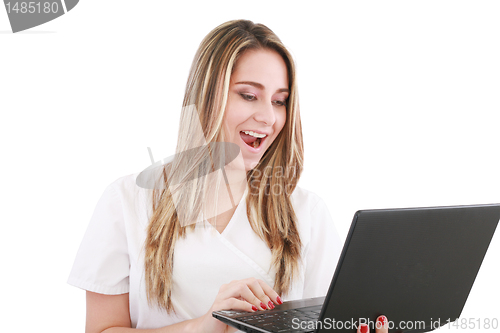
(110, 314)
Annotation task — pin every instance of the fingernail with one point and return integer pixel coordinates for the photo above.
(363, 328)
(278, 299)
(263, 306)
(271, 305)
(382, 320)
(254, 308)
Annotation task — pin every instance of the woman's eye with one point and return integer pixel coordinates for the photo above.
(247, 97)
(280, 103)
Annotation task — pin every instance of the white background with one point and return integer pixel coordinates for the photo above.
(399, 104)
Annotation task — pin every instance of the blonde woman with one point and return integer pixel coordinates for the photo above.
(145, 266)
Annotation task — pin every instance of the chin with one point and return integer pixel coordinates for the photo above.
(250, 164)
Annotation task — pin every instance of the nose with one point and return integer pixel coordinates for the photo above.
(265, 114)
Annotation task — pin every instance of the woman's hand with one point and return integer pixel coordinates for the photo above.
(242, 295)
(381, 326)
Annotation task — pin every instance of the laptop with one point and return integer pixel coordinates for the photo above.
(415, 265)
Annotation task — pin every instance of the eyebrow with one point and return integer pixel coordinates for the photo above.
(261, 87)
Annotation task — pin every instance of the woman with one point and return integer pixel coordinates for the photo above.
(149, 262)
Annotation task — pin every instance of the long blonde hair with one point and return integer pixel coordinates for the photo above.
(270, 183)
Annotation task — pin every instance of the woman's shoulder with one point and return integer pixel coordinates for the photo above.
(125, 182)
(313, 217)
(310, 209)
(126, 185)
(125, 191)
(305, 199)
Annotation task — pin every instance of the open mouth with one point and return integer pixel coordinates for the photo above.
(253, 140)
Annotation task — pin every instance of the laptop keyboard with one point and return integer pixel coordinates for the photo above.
(283, 321)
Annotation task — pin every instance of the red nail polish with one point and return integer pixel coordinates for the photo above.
(263, 306)
(382, 320)
(278, 299)
(363, 328)
(271, 305)
(254, 308)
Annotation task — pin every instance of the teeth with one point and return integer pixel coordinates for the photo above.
(257, 135)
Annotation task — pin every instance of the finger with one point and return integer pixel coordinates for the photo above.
(273, 295)
(363, 328)
(235, 304)
(382, 325)
(237, 289)
(263, 292)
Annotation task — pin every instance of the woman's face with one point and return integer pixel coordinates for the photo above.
(256, 105)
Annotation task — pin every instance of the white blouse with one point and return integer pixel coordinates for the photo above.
(110, 259)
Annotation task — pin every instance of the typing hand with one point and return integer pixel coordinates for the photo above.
(247, 295)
